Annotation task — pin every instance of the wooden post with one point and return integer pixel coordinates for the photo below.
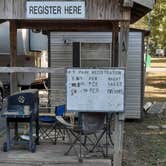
(115, 44)
(120, 117)
(13, 54)
(123, 45)
(76, 54)
(118, 140)
(128, 3)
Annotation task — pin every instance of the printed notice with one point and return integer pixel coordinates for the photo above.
(95, 90)
(55, 9)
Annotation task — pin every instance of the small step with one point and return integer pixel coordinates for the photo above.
(157, 108)
(153, 127)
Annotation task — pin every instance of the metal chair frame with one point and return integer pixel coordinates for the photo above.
(49, 128)
(77, 132)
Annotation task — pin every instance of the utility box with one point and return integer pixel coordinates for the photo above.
(148, 61)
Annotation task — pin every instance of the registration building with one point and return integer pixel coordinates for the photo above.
(83, 33)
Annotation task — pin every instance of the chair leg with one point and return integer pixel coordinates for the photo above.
(78, 138)
(72, 145)
(60, 133)
(108, 138)
(46, 133)
(55, 139)
(97, 142)
(80, 155)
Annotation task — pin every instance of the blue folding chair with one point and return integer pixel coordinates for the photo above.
(59, 112)
(49, 128)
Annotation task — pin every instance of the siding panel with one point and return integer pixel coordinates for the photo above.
(61, 56)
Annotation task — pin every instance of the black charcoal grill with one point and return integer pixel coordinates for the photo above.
(20, 108)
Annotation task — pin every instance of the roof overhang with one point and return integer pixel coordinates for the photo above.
(67, 25)
(144, 31)
(140, 8)
(2, 21)
(146, 3)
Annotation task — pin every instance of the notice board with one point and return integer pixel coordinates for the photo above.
(95, 90)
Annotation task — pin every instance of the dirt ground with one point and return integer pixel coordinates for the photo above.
(155, 89)
(145, 140)
(143, 146)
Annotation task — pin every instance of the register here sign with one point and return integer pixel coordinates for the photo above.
(55, 10)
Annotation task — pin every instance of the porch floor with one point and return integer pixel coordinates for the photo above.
(48, 154)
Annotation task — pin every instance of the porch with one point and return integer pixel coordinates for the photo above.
(49, 154)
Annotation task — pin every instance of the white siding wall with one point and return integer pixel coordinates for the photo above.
(134, 76)
(61, 56)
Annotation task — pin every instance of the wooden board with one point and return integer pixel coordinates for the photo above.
(95, 9)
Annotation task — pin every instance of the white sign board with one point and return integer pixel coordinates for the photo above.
(95, 90)
(55, 10)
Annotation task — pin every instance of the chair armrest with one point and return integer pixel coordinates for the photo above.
(64, 122)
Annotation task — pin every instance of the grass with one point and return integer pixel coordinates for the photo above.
(158, 62)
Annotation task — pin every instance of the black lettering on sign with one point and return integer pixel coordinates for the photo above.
(40, 10)
(114, 91)
(66, 9)
(72, 9)
(79, 9)
(54, 10)
(46, 10)
(59, 10)
(51, 9)
(35, 10)
(30, 9)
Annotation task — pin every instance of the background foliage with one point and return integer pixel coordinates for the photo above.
(155, 21)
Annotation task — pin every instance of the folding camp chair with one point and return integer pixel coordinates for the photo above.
(89, 124)
(59, 112)
(107, 132)
(49, 129)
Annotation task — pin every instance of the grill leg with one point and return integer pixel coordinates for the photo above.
(30, 135)
(8, 141)
(16, 131)
(37, 131)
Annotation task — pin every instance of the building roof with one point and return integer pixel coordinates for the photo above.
(141, 8)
